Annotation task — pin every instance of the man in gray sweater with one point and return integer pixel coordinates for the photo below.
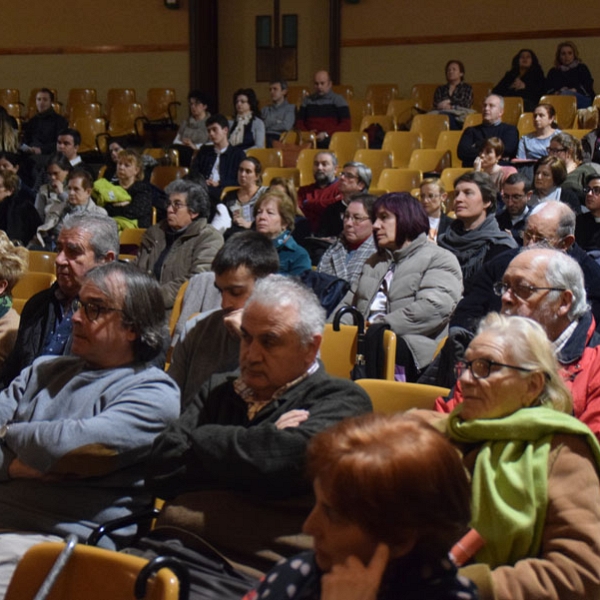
(75, 430)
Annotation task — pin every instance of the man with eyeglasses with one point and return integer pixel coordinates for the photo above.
(75, 431)
(84, 241)
(355, 178)
(587, 226)
(184, 243)
(516, 191)
(547, 286)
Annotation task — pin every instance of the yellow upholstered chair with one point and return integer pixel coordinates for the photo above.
(401, 110)
(358, 110)
(376, 160)
(566, 109)
(429, 160)
(161, 105)
(399, 180)
(93, 133)
(390, 397)
(118, 96)
(380, 94)
(481, 89)
(513, 107)
(304, 164)
(91, 573)
(286, 172)
(386, 121)
(473, 119)
(430, 127)
(162, 175)
(401, 144)
(30, 284)
(338, 351)
(525, 124)
(41, 261)
(125, 119)
(422, 94)
(267, 157)
(448, 140)
(345, 143)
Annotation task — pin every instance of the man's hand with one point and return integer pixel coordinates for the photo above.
(321, 135)
(292, 418)
(233, 322)
(354, 581)
(212, 183)
(444, 105)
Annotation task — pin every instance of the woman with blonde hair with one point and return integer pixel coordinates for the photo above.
(13, 265)
(433, 196)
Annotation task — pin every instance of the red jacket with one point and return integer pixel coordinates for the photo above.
(580, 370)
(313, 201)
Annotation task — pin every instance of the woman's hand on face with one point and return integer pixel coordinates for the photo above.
(355, 581)
(57, 186)
(477, 163)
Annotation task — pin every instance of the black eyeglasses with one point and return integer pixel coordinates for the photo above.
(521, 290)
(93, 311)
(595, 191)
(556, 150)
(176, 205)
(515, 197)
(481, 367)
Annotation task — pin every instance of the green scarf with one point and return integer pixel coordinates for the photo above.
(5, 305)
(510, 481)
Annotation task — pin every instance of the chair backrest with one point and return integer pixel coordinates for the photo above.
(422, 94)
(525, 124)
(389, 397)
(41, 261)
(31, 283)
(162, 175)
(448, 140)
(91, 573)
(161, 103)
(481, 89)
(119, 96)
(430, 160)
(513, 107)
(346, 143)
(267, 157)
(576, 133)
(566, 109)
(296, 94)
(401, 110)
(386, 121)
(448, 177)
(287, 173)
(80, 109)
(338, 351)
(122, 119)
(380, 94)
(430, 127)
(9, 96)
(177, 305)
(473, 119)
(377, 160)
(358, 110)
(131, 236)
(304, 164)
(90, 129)
(399, 180)
(401, 144)
(347, 91)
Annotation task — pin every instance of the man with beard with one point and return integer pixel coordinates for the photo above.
(313, 199)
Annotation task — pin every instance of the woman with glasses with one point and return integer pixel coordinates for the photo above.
(184, 243)
(587, 225)
(347, 255)
(549, 174)
(410, 283)
(534, 468)
(432, 196)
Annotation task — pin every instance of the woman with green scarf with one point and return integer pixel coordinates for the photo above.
(534, 468)
(13, 265)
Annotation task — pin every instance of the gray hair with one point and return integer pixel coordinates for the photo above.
(562, 271)
(530, 348)
(103, 230)
(333, 156)
(566, 216)
(196, 196)
(281, 291)
(143, 306)
(363, 172)
(501, 98)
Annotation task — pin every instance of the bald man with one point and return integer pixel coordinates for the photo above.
(324, 112)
